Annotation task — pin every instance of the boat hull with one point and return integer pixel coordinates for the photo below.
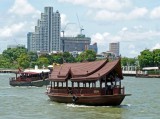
(38, 83)
(97, 100)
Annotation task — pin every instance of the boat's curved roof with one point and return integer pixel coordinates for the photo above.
(104, 71)
(87, 71)
(36, 71)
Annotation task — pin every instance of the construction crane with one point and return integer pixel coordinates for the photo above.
(81, 27)
(66, 27)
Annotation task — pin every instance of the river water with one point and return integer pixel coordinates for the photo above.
(32, 103)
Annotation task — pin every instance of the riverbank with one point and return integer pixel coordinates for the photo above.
(8, 71)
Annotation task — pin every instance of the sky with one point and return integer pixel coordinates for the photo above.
(133, 23)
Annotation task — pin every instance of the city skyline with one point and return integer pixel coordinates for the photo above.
(133, 23)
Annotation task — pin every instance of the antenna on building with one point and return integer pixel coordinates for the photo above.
(80, 26)
(63, 31)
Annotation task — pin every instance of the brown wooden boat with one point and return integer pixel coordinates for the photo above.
(90, 83)
(30, 77)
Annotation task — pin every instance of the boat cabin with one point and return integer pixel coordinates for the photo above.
(89, 78)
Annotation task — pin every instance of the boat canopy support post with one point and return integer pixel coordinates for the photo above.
(67, 84)
(72, 84)
(100, 83)
(51, 84)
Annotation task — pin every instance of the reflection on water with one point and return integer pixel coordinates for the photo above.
(32, 103)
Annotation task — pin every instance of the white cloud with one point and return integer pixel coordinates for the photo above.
(111, 15)
(103, 40)
(77, 2)
(115, 5)
(124, 29)
(137, 13)
(108, 15)
(157, 46)
(99, 38)
(22, 7)
(64, 20)
(19, 20)
(133, 53)
(155, 13)
(131, 46)
(130, 37)
(69, 28)
(144, 35)
(9, 31)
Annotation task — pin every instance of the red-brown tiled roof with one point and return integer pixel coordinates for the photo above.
(85, 71)
(105, 70)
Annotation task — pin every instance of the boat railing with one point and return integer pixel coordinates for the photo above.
(86, 91)
(59, 90)
(118, 90)
(79, 91)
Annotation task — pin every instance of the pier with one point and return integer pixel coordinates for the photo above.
(129, 70)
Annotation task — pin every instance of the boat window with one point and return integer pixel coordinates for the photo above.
(75, 84)
(88, 85)
(103, 85)
(81, 84)
(69, 83)
(61, 84)
(98, 83)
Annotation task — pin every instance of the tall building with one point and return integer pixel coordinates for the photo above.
(114, 47)
(93, 47)
(46, 37)
(79, 43)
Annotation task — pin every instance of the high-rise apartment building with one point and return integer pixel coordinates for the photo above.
(46, 37)
(114, 47)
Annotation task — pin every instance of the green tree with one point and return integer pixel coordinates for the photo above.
(33, 59)
(146, 58)
(33, 56)
(14, 53)
(156, 55)
(87, 55)
(58, 59)
(128, 61)
(67, 57)
(23, 61)
(4, 62)
(43, 61)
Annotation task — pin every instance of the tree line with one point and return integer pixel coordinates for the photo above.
(146, 58)
(14, 58)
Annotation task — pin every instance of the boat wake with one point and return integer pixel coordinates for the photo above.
(74, 105)
(124, 106)
(120, 106)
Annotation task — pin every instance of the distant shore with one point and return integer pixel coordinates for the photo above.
(8, 70)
